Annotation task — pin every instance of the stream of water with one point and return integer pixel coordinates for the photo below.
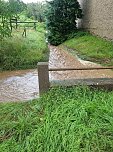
(19, 85)
(22, 85)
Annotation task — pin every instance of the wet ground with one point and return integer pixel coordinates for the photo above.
(62, 59)
(22, 85)
(19, 85)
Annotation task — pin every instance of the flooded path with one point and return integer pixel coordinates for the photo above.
(22, 85)
(18, 85)
(62, 59)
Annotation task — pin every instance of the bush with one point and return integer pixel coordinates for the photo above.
(61, 20)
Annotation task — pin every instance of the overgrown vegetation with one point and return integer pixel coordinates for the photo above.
(36, 11)
(63, 120)
(91, 47)
(18, 52)
(61, 19)
(9, 10)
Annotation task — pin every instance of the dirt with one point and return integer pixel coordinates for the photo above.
(62, 59)
(22, 85)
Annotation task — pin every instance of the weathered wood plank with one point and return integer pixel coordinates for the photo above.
(23, 22)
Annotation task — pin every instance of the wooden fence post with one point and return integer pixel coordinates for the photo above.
(11, 25)
(34, 25)
(24, 32)
(43, 77)
(16, 23)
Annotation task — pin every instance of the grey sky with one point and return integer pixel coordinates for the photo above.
(30, 1)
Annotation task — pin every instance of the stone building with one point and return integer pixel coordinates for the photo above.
(98, 17)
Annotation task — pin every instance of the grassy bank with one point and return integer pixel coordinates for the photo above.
(18, 52)
(63, 120)
(91, 48)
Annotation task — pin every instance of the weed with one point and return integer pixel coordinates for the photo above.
(63, 120)
(92, 47)
(18, 52)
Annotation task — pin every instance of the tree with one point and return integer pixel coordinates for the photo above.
(36, 11)
(15, 7)
(61, 19)
(9, 10)
(4, 28)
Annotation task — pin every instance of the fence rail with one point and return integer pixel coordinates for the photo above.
(90, 68)
(22, 22)
(44, 83)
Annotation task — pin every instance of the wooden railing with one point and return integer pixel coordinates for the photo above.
(21, 22)
(44, 83)
(76, 69)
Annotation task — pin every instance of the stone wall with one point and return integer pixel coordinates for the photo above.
(98, 17)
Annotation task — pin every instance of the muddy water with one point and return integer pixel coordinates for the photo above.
(22, 85)
(19, 85)
(62, 59)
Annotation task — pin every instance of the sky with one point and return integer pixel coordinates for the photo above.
(30, 1)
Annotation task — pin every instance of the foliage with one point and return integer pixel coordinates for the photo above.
(8, 10)
(18, 52)
(4, 28)
(91, 47)
(61, 19)
(36, 11)
(15, 7)
(63, 120)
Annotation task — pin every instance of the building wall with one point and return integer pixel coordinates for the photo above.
(98, 17)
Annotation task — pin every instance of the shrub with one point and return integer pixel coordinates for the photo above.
(61, 19)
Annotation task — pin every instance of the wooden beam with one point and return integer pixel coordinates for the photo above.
(23, 22)
(89, 68)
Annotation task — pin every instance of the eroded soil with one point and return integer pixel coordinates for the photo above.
(62, 59)
(22, 85)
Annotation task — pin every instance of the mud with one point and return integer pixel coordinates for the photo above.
(19, 85)
(22, 85)
(62, 59)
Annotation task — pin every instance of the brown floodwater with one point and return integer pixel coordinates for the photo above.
(22, 85)
(19, 85)
(62, 59)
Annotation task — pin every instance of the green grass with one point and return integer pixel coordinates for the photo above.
(18, 52)
(92, 47)
(63, 120)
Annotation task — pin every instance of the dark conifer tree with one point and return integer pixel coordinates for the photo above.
(61, 19)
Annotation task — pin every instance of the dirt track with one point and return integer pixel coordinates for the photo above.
(62, 59)
(22, 85)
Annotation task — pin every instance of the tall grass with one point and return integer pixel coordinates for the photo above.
(18, 52)
(63, 120)
(92, 47)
